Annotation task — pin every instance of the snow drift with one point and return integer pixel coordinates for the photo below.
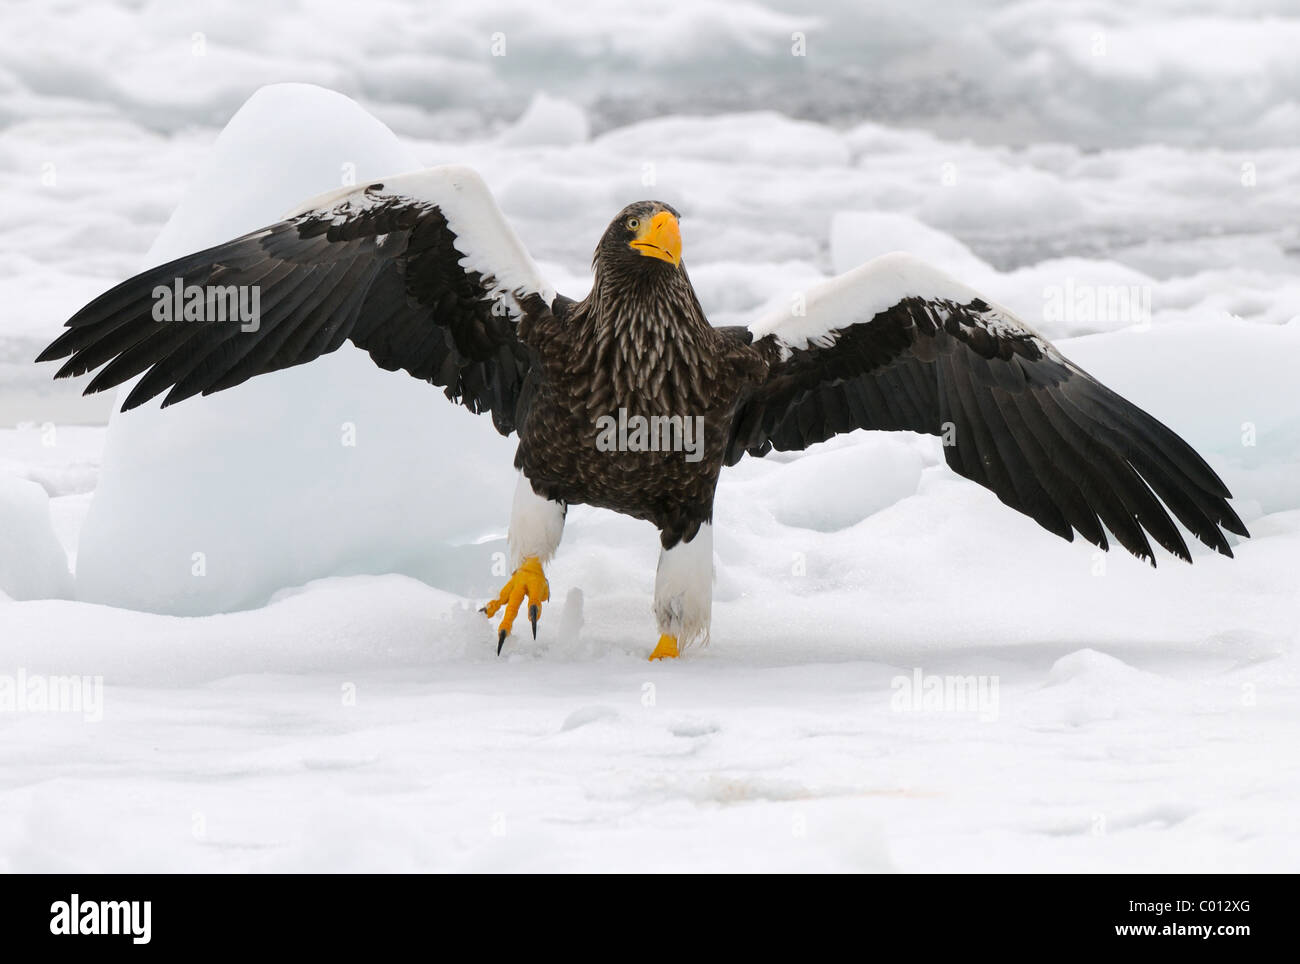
(32, 563)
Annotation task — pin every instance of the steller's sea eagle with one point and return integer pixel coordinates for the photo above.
(629, 399)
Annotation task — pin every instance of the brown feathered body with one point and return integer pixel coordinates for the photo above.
(637, 345)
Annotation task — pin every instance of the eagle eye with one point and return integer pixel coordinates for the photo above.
(633, 224)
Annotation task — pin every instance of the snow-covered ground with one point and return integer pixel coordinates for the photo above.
(293, 673)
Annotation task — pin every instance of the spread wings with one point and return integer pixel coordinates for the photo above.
(420, 270)
(897, 345)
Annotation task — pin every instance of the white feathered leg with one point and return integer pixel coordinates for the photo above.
(684, 593)
(536, 526)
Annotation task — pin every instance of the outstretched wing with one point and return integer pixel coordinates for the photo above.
(420, 270)
(899, 346)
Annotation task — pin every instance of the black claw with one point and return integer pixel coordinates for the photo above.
(501, 641)
(534, 612)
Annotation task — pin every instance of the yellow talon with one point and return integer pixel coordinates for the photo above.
(530, 581)
(667, 648)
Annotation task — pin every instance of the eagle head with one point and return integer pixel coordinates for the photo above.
(644, 229)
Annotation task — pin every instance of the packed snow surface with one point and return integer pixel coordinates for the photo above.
(903, 673)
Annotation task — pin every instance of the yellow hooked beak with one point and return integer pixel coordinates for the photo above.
(661, 238)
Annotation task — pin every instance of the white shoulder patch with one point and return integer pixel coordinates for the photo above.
(857, 296)
(488, 242)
